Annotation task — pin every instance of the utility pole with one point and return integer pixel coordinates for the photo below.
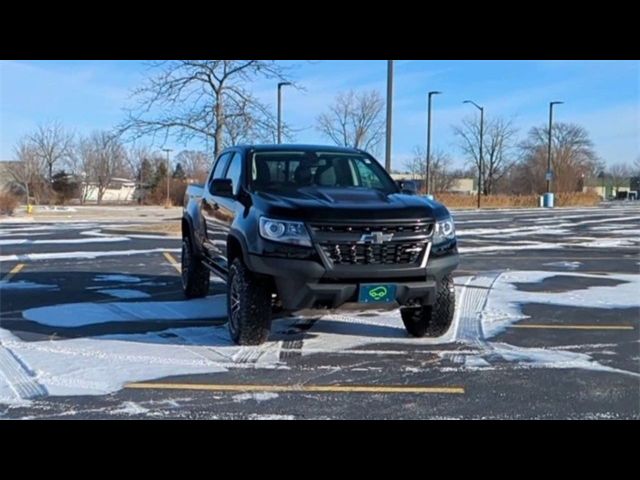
(481, 159)
(427, 179)
(387, 156)
(167, 150)
(549, 173)
(280, 85)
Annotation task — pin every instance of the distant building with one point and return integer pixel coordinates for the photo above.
(463, 186)
(604, 187)
(120, 190)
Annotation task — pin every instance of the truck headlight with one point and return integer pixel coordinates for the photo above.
(445, 230)
(284, 231)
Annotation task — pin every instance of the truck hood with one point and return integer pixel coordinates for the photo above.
(329, 204)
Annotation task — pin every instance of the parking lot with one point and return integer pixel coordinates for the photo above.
(94, 325)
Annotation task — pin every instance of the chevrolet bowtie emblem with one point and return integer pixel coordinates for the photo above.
(376, 237)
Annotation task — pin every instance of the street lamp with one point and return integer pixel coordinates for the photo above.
(481, 166)
(429, 140)
(387, 153)
(167, 150)
(551, 104)
(280, 85)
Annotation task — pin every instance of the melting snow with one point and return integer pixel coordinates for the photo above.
(258, 397)
(124, 293)
(24, 285)
(89, 313)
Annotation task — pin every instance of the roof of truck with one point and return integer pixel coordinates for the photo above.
(294, 147)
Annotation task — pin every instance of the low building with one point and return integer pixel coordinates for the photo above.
(120, 190)
(465, 186)
(606, 188)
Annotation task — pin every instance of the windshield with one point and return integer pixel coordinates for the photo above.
(280, 171)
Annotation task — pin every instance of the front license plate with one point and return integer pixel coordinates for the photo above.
(376, 293)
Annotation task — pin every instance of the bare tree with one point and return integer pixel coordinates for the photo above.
(198, 98)
(417, 164)
(354, 120)
(103, 157)
(498, 147)
(441, 177)
(573, 158)
(196, 164)
(28, 171)
(619, 175)
(52, 144)
(636, 166)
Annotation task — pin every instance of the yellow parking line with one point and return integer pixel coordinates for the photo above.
(14, 271)
(576, 327)
(295, 388)
(172, 261)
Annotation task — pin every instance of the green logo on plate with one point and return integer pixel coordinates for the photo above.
(378, 292)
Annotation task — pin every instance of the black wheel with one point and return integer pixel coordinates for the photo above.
(248, 306)
(195, 276)
(432, 320)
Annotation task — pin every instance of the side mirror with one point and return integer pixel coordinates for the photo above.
(222, 187)
(408, 188)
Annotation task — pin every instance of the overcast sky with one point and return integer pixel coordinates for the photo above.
(603, 96)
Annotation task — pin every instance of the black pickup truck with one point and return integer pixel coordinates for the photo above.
(292, 227)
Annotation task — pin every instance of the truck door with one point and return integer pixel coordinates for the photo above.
(214, 235)
(221, 212)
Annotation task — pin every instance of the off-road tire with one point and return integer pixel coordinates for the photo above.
(248, 306)
(432, 320)
(195, 276)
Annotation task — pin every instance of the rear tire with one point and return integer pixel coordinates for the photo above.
(432, 320)
(195, 276)
(248, 306)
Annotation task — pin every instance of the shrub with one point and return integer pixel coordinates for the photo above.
(8, 203)
(575, 199)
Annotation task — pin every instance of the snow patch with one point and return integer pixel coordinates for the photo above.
(63, 241)
(24, 285)
(90, 313)
(503, 306)
(82, 254)
(124, 293)
(117, 278)
(567, 265)
(258, 397)
(130, 408)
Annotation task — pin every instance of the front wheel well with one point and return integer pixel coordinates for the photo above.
(234, 250)
(185, 228)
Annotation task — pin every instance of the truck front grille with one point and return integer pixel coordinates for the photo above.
(372, 254)
(415, 228)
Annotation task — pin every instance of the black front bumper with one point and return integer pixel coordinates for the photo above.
(308, 284)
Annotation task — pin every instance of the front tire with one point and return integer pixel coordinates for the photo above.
(248, 306)
(432, 320)
(195, 276)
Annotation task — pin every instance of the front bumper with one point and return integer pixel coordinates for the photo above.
(308, 284)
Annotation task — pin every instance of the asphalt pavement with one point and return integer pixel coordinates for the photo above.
(93, 324)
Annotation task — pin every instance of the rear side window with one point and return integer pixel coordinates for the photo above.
(234, 172)
(219, 167)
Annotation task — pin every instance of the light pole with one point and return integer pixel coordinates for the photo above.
(167, 150)
(387, 155)
(427, 183)
(481, 166)
(280, 85)
(551, 104)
